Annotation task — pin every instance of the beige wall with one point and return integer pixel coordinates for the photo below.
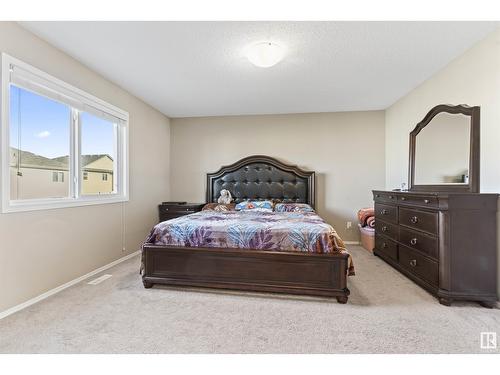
(40, 250)
(345, 149)
(473, 79)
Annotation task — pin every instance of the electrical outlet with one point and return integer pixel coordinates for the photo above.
(349, 225)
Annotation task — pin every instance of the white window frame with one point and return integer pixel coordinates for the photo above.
(23, 75)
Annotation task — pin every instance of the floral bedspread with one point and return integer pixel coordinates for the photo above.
(277, 231)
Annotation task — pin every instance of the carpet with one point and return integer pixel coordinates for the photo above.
(386, 313)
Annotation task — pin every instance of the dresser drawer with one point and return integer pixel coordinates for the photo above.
(172, 211)
(180, 210)
(168, 215)
(386, 247)
(386, 229)
(384, 197)
(422, 220)
(417, 199)
(419, 265)
(386, 212)
(420, 241)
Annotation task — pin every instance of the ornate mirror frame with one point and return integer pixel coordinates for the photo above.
(474, 158)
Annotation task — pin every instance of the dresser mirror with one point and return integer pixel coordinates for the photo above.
(444, 150)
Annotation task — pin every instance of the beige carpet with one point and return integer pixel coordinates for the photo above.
(386, 313)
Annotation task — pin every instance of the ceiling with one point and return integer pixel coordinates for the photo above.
(189, 69)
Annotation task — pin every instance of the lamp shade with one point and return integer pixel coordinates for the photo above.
(264, 54)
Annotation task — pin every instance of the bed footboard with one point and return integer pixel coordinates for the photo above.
(251, 270)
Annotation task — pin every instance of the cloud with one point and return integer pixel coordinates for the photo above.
(43, 134)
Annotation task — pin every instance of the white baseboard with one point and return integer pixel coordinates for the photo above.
(51, 292)
(351, 242)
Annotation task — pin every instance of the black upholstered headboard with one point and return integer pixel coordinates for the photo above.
(262, 177)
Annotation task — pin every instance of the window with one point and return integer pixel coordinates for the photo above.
(56, 176)
(39, 134)
(60, 146)
(98, 143)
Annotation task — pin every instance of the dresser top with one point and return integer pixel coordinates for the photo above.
(432, 193)
(438, 200)
(181, 204)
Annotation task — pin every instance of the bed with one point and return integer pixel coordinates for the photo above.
(295, 253)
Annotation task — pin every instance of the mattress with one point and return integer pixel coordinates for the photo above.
(273, 231)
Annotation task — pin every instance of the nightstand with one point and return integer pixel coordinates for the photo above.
(171, 210)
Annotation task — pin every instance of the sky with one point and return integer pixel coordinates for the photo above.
(42, 126)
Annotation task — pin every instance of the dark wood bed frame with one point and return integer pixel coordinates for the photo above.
(254, 177)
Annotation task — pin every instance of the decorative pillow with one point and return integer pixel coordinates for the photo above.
(255, 206)
(218, 207)
(293, 207)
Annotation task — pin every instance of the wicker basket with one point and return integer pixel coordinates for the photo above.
(367, 237)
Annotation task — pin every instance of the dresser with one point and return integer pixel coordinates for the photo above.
(445, 242)
(171, 210)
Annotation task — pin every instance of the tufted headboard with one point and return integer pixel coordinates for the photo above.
(262, 177)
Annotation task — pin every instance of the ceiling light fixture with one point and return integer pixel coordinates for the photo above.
(265, 54)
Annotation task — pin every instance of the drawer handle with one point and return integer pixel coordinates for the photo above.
(403, 198)
(413, 241)
(426, 201)
(384, 246)
(384, 212)
(166, 209)
(377, 195)
(384, 229)
(414, 220)
(413, 262)
(391, 197)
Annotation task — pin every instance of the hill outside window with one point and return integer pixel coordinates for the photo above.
(58, 143)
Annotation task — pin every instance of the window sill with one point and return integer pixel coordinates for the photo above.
(60, 203)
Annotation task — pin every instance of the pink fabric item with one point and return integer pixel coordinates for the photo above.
(364, 214)
(371, 222)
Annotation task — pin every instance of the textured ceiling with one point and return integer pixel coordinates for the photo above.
(198, 68)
